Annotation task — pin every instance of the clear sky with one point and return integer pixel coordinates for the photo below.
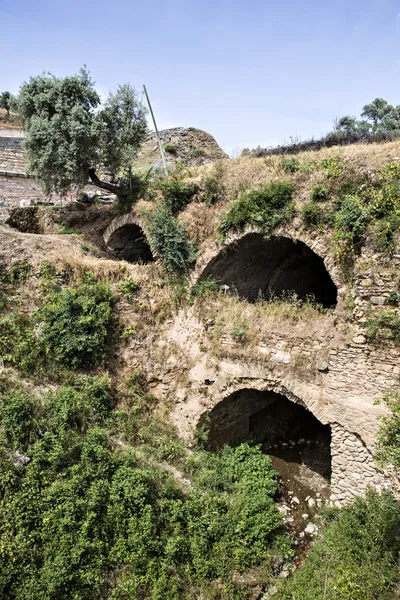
(248, 71)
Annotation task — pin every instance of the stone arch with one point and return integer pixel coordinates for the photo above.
(285, 428)
(126, 238)
(255, 267)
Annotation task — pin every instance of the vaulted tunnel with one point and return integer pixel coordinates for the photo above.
(287, 431)
(129, 243)
(255, 268)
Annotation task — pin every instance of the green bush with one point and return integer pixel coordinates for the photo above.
(177, 194)
(203, 288)
(171, 149)
(90, 516)
(128, 288)
(197, 152)
(333, 166)
(357, 556)
(384, 324)
(312, 215)
(384, 233)
(169, 241)
(290, 165)
(388, 448)
(213, 190)
(16, 274)
(265, 208)
(319, 193)
(21, 344)
(352, 218)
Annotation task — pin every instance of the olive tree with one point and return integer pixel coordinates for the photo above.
(7, 102)
(71, 137)
(378, 116)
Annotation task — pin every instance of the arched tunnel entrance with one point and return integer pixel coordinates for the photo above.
(129, 243)
(255, 268)
(298, 444)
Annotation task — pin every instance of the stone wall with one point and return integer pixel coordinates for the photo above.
(333, 371)
(353, 466)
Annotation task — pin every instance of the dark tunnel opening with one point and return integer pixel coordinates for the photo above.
(129, 243)
(287, 431)
(257, 268)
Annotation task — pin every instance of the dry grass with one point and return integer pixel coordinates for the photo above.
(10, 121)
(249, 325)
(361, 161)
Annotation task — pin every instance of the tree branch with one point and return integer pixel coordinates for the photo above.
(110, 187)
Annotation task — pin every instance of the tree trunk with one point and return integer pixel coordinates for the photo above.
(104, 185)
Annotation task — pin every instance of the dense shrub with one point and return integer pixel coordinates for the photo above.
(352, 218)
(388, 451)
(312, 215)
(357, 556)
(86, 515)
(319, 193)
(169, 241)
(213, 190)
(177, 194)
(265, 208)
(171, 149)
(384, 324)
(290, 165)
(71, 328)
(21, 344)
(75, 323)
(333, 166)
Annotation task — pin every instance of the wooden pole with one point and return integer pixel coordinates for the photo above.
(157, 134)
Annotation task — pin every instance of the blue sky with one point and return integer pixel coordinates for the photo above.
(250, 72)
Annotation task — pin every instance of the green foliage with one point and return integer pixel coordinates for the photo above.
(17, 273)
(352, 219)
(379, 116)
(203, 288)
(312, 215)
(333, 166)
(63, 110)
(388, 451)
(169, 242)
(86, 515)
(319, 193)
(357, 556)
(75, 323)
(67, 136)
(122, 128)
(128, 288)
(266, 208)
(213, 190)
(21, 344)
(290, 165)
(196, 152)
(67, 230)
(177, 194)
(384, 324)
(7, 102)
(171, 149)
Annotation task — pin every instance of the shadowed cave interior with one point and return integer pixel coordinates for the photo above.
(129, 243)
(287, 431)
(255, 268)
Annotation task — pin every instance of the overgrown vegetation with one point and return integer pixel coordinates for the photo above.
(67, 110)
(177, 194)
(388, 451)
(266, 208)
(87, 511)
(71, 328)
(357, 556)
(384, 324)
(169, 241)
